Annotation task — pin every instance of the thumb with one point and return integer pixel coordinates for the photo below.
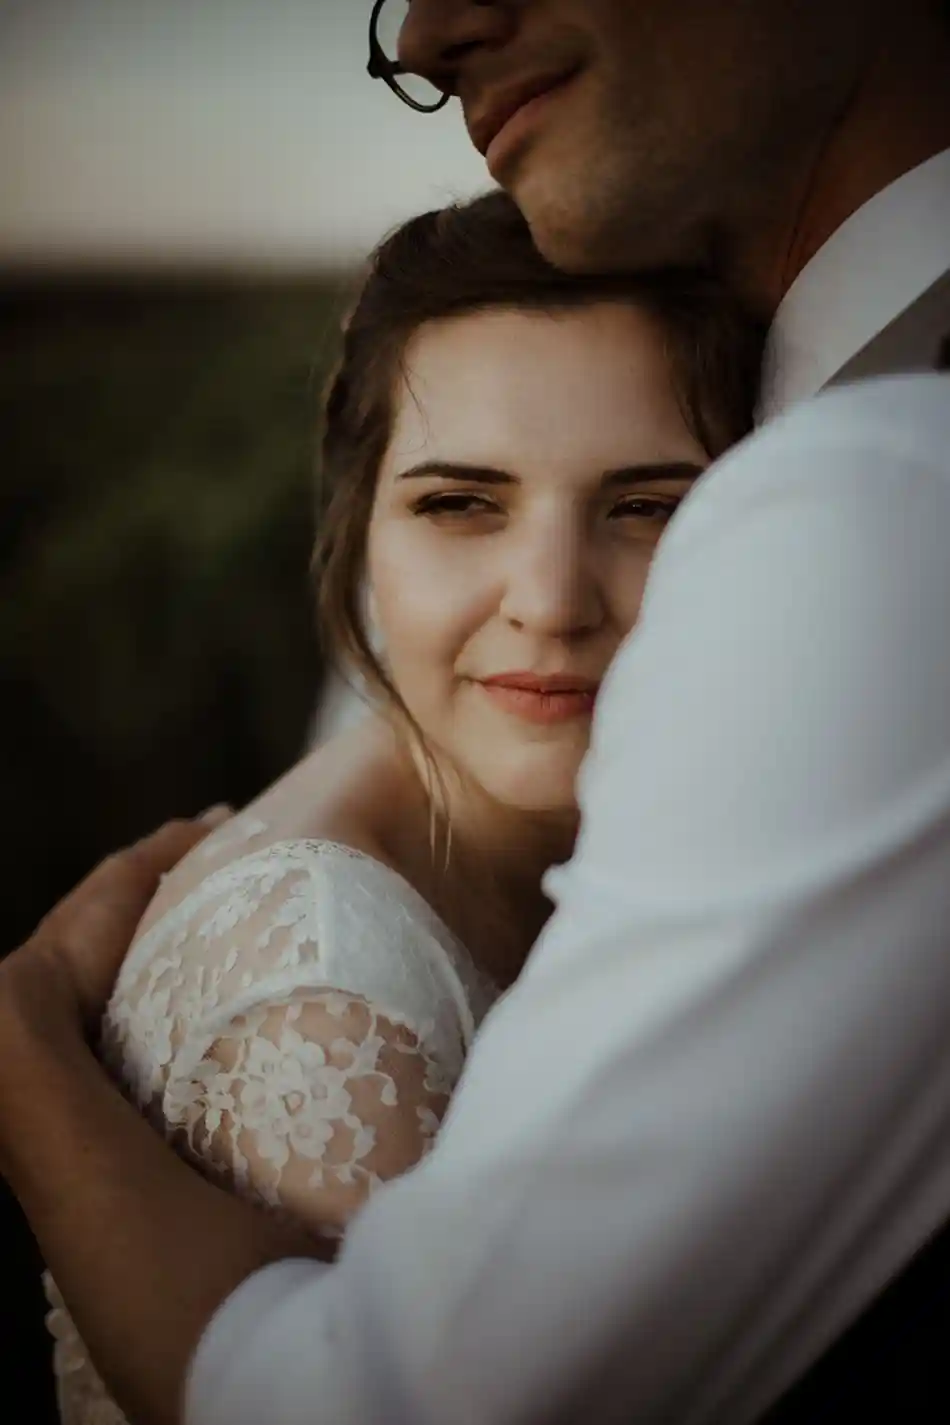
(216, 816)
(159, 852)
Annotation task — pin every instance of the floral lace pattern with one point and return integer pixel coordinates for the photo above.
(294, 1025)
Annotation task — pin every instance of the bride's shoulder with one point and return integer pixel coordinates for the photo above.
(292, 918)
(294, 893)
(324, 808)
(255, 888)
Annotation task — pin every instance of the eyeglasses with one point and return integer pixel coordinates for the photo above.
(385, 23)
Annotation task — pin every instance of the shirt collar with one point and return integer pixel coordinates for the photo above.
(885, 259)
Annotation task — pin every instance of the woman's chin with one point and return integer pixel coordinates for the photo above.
(537, 784)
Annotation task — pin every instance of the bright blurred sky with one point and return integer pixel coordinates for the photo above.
(203, 131)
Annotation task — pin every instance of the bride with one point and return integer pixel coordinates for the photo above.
(503, 448)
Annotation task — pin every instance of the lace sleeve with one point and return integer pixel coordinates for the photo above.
(295, 1022)
(307, 1106)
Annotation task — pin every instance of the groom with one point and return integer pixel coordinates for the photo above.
(711, 1124)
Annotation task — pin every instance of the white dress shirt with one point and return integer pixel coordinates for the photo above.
(712, 1119)
(874, 300)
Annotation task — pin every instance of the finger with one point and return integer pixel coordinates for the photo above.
(122, 885)
(216, 816)
(156, 854)
(128, 875)
(89, 931)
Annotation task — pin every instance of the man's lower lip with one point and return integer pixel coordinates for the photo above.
(536, 706)
(516, 128)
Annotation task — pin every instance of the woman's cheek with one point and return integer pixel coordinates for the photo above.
(432, 594)
(627, 582)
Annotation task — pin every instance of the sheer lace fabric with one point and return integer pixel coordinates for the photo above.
(294, 1023)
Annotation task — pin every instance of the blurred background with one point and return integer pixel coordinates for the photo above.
(185, 194)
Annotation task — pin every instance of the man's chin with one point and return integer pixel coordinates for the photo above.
(529, 186)
(585, 228)
(560, 225)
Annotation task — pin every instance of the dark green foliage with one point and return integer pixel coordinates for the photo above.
(156, 513)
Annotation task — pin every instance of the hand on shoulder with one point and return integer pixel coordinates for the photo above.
(61, 978)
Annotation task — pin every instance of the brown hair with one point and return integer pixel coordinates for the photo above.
(466, 258)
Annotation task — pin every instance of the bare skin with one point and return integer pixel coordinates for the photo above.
(745, 131)
(551, 466)
(534, 461)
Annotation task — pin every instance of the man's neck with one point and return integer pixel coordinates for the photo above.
(898, 117)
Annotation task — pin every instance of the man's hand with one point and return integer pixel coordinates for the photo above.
(68, 966)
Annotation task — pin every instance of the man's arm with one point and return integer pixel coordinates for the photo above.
(143, 1248)
(713, 1117)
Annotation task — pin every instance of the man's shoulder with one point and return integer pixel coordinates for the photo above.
(813, 466)
(883, 405)
(905, 417)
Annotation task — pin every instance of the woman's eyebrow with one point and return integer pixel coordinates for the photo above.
(651, 472)
(457, 470)
(624, 475)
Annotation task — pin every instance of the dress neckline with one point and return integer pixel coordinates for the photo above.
(317, 847)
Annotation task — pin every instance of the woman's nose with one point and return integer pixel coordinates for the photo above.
(438, 35)
(552, 588)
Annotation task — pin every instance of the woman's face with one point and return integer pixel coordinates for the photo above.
(534, 463)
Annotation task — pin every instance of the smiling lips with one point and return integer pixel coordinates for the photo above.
(487, 126)
(540, 699)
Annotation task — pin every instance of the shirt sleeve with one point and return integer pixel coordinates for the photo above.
(712, 1119)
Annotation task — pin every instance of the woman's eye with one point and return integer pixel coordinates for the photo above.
(454, 505)
(657, 509)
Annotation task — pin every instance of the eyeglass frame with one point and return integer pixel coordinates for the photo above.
(388, 70)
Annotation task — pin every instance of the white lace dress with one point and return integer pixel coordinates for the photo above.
(295, 1025)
